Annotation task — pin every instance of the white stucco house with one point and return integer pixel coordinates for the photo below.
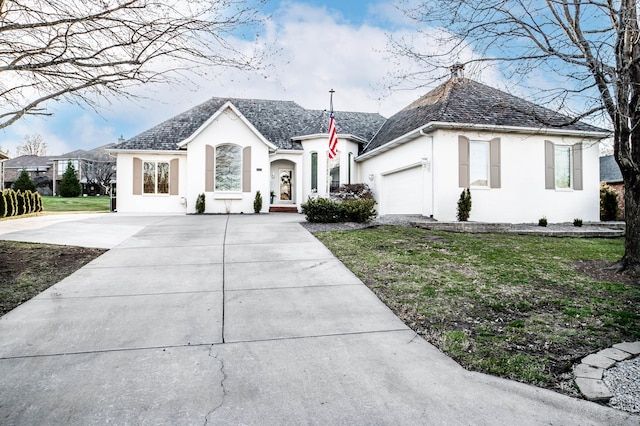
(520, 160)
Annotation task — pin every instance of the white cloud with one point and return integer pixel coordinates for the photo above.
(309, 50)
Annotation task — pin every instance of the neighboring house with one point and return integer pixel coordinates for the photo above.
(461, 134)
(95, 168)
(38, 167)
(611, 175)
(3, 157)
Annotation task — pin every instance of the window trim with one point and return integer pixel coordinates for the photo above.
(494, 163)
(575, 168)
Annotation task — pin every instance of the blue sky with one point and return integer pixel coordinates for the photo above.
(322, 45)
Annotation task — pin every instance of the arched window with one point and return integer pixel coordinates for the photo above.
(228, 168)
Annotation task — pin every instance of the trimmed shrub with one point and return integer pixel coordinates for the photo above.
(257, 202)
(609, 208)
(3, 205)
(360, 211)
(542, 221)
(70, 184)
(322, 210)
(464, 205)
(24, 182)
(325, 210)
(21, 203)
(13, 197)
(200, 204)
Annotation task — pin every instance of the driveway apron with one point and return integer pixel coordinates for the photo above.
(242, 319)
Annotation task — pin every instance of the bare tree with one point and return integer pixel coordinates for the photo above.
(589, 49)
(78, 50)
(32, 145)
(100, 170)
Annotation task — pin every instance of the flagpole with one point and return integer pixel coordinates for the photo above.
(331, 100)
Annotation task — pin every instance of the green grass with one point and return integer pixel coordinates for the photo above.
(508, 305)
(76, 204)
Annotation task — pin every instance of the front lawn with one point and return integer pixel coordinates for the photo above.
(520, 307)
(76, 204)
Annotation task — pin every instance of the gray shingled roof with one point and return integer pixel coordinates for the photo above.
(464, 101)
(609, 170)
(28, 162)
(361, 124)
(277, 121)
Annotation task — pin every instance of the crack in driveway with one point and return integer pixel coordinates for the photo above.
(214, 355)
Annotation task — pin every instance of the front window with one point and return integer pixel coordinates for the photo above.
(228, 168)
(314, 171)
(333, 172)
(479, 163)
(62, 166)
(563, 166)
(156, 177)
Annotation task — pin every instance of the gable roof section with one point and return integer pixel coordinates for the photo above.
(276, 121)
(609, 170)
(466, 102)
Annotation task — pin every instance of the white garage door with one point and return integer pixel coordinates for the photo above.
(403, 192)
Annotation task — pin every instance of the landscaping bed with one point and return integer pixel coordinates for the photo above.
(26, 269)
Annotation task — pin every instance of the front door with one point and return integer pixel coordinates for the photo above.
(286, 186)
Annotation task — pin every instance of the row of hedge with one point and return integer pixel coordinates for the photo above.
(17, 203)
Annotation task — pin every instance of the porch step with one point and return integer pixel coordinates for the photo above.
(283, 209)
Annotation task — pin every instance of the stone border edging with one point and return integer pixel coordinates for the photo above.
(588, 374)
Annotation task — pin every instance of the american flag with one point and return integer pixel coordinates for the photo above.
(333, 137)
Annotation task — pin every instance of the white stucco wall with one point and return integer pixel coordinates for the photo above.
(521, 198)
(126, 202)
(227, 128)
(320, 145)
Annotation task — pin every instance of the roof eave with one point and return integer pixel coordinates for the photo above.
(146, 151)
(434, 125)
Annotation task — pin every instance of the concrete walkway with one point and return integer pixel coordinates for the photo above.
(235, 320)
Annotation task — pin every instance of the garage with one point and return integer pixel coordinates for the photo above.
(402, 191)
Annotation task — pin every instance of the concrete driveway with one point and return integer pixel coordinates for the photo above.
(238, 319)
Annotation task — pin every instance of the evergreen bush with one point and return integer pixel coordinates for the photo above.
(360, 211)
(609, 208)
(22, 208)
(543, 221)
(464, 205)
(3, 204)
(325, 210)
(24, 182)
(70, 184)
(257, 202)
(200, 204)
(13, 197)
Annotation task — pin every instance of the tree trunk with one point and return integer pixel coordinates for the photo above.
(631, 258)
